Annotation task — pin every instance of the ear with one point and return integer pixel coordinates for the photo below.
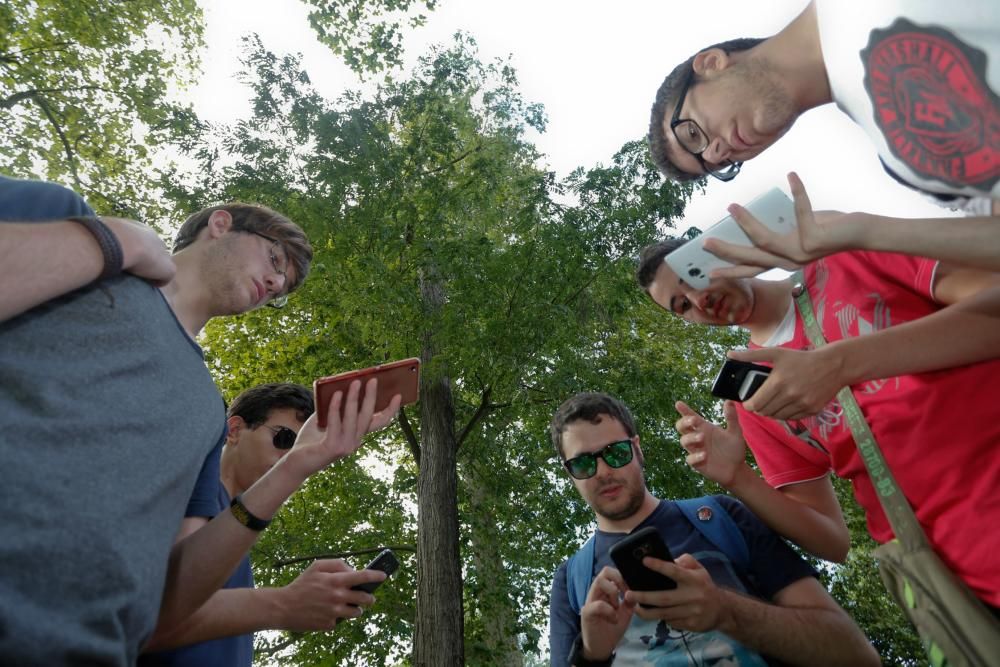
(638, 451)
(219, 223)
(710, 62)
(236, 426)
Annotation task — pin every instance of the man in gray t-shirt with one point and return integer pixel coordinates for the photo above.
(109, 413)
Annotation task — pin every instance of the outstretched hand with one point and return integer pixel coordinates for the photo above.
(316, 448)
(716, 453)
(817, 234)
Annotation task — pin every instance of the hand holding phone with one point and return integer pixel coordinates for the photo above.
(739, 380)
(693, 264)
(628, 554)
(386, 562)
(398, 377)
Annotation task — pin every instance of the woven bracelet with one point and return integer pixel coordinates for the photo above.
(111, 248)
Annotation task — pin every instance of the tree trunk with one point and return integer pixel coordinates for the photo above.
(439, 636)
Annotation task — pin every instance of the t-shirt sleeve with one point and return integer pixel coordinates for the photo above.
(31, 201)
(773, 564)
(564, 625)
(204, 500)
(780, 456)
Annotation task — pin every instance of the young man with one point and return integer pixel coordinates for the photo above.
(262, 425)
(916, 76)
(773, 610)
(100, 372)
(891, 320)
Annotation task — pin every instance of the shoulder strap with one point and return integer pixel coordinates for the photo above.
(904, 523)
(719, 529)
(579, 573)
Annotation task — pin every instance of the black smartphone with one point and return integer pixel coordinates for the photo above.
(385, 561)
(628, 555)
(739, 380)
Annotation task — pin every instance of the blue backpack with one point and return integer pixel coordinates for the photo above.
(720, 530)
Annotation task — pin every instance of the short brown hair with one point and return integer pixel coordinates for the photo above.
(588, 406)
(256, 404)
(651, 258)
(667, 96)
(259, 219)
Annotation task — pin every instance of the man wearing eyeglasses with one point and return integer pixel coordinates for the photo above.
(771, 609)
(262, 426)
(101, 373)
(919, 77)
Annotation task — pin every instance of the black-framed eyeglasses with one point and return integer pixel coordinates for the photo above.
(616, 455)
(693, 139)
(284, 437)
(279, 260)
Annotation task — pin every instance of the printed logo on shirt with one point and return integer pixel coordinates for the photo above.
(932, 104)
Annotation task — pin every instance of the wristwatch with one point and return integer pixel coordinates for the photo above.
(246, 517)
(576, 658)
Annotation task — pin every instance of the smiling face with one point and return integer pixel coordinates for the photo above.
(615, 494)
(722, 303)
(738, 104)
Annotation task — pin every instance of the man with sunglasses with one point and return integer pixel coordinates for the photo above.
(767, 610)
(100, 371)
(262, 426)
(916, 76)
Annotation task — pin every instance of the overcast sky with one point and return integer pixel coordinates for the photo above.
(595, 65)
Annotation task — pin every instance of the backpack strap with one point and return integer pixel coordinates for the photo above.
(719, 529)
(579, 573)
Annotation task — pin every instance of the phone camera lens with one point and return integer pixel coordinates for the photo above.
(694, 272)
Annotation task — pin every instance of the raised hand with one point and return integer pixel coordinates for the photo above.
(716, 453)
(322, 595)
(802, 383)
(816, 235)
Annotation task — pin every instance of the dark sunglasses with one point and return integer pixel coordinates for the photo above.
(616, 455)
(284, 437)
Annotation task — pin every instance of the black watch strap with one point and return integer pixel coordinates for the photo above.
(576, 658)
(244, 516)
(111, 247)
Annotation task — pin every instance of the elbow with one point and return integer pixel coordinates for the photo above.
(838, 546)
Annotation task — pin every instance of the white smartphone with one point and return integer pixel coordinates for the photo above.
(693, 264)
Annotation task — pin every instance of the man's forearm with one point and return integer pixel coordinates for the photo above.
(927, 344)
(41, 261)
(228, 613)
(973, 242)
(815, 531)
(796, 635)
(202, 562)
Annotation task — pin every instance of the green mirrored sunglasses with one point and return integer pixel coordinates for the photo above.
(616, 455)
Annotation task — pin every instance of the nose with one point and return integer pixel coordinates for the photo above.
(718, 151)
(700, 299)
(274, 282)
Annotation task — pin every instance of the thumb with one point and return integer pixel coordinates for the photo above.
(687, 562)
(732, 417)
(684, 409)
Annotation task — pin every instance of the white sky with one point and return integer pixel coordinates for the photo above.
(595, 65)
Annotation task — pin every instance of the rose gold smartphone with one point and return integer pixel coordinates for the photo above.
(397, 377)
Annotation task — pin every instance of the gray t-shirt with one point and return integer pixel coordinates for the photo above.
(108, 413)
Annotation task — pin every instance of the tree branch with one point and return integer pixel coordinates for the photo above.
(411, 437)
(484, 407)
(70, 157)
(343, 554)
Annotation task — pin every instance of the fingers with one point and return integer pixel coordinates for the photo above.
(732, 417)
(382, 418)
(331, 565)
(768, 354)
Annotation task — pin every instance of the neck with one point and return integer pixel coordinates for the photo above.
(184, 296)
(649, 504)
(796, 54)
(771, 301)
(227, 475)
